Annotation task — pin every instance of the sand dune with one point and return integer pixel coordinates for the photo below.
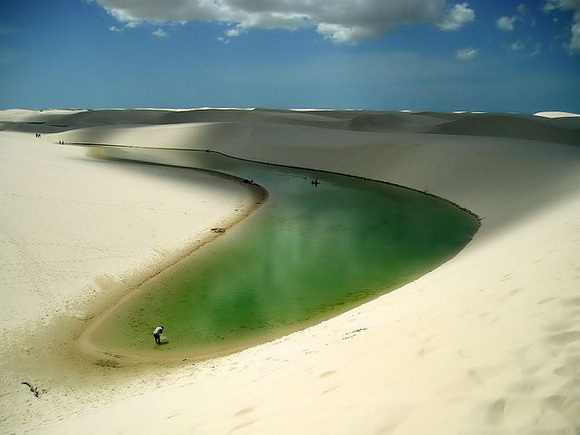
(558, 127)
(487, 343)
(513, 126)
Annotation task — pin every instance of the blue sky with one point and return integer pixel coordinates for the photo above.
(480, 55)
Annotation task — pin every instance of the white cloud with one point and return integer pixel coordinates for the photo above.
(537, 49)
(523, 9)
(159, 33)
(115, 29)
(123, 17)
(529, 48)
(344, 21)
(466, 54)
(575, 41)
(236, 31)
(506, 23)
(459, 15)
(343, 34)
(552, 5)
(574, 7)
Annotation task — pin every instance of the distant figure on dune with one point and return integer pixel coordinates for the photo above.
(157, 334)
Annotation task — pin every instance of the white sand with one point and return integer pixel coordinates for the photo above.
(557, 114)
(487, 343)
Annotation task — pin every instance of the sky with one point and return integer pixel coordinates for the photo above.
(481, 55)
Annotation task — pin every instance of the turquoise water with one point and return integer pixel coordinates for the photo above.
(309, 253)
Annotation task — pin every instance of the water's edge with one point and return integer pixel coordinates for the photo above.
(147, 155)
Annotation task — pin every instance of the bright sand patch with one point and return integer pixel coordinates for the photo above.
(487, 343)
(557, 114)
(74, 225)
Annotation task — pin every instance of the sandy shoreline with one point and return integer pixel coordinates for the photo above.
(487, 343)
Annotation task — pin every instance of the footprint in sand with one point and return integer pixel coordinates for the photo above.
(241, 413)
(242, 426)
(567, 406)
(546, 300)
(565, 372)
(571, 302)
(354, 333)
(244, 411)
(565, 338)
(545, 415)
(496, 412)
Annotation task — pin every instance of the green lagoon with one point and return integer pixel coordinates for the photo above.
(307, 254)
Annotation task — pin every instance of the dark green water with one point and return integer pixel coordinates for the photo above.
(309, 253)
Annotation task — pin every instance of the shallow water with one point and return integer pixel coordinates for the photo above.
(309, 253)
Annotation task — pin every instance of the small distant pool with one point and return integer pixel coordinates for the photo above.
(309, 253)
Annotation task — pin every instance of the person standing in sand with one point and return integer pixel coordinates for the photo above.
(157, 334)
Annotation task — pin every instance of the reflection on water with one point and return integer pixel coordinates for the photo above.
(310, 252)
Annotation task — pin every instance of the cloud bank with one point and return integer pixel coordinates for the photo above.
(345, 21)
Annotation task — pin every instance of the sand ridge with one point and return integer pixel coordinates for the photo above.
(486, 343)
